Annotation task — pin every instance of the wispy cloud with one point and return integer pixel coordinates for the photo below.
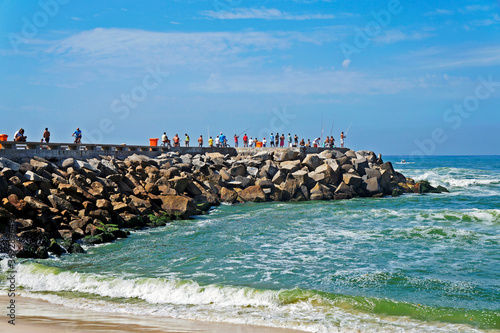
(137, 48)
(495, 19)
(264, 14)
(440, 12)
(486, 56)
(304, 83)
(394, 36)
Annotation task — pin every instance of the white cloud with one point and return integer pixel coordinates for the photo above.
(304, 83)
(394, 36)
(475, 8)
(495, 19)
(263, 13)
(440, 12)
(487, 56)
(346, 63)
(134, 48)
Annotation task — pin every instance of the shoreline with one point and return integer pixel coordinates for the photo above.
(45, 317)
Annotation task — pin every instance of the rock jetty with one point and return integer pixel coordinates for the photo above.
(59, 205)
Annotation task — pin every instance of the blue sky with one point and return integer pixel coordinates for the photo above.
(412, 77)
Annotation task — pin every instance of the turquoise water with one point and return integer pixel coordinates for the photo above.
(417, 263)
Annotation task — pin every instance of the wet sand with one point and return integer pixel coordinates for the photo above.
(33, 315)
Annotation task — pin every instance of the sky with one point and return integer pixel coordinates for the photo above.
(402, 77)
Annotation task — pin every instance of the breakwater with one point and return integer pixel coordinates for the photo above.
(55, 205)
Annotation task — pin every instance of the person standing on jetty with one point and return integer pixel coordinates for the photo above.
(164, 139)
(222, 139)
(19, 136)
(78, 135)
(200, 141)
(277, 139)
(289, 139)
(245, 140)
(186, 141)
(342, 137)
(211, 142)
(332, 142)
(46, 135)
(282, 140)
(296, 140)
(176, 140)
(271, 140)
(236, 141)
(264, 141)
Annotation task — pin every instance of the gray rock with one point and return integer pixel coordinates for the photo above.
(69, 162)
(252, 171)
(372, 173)
(352, 180)
(225, 175)
(245, 181)
(10, 164)
(30, 175)
(279, 178)
(360, 165)
(262, 156)
(237, 170)
(371, 186)
(281, 155)
(301, 176)
(351, 154)
(312, 161)
(290, 166)
(60, 203)
(83, 164)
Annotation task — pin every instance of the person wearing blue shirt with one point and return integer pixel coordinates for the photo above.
(78, 135)
(271, 140)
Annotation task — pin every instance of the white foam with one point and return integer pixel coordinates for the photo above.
(189, 300)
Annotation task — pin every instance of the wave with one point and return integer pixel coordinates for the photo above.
(306, 310)
(455, 177)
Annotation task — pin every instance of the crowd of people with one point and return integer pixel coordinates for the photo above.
(275, 140)
(19, 136)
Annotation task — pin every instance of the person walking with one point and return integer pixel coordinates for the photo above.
(236, 141)
(200, 141)
(342, 137)
(186, 140)
(78, 135)
(245, 140)
(46, 135)
(271, 140)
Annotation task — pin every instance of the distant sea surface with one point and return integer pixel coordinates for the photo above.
(416, 263)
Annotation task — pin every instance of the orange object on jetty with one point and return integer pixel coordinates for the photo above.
(3, 137)
(258, 144)
(153, 142)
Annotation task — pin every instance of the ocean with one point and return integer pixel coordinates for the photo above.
(415, 263)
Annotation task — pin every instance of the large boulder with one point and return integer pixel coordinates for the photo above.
(238, 170)
(179, 183)
(228, 195)
(352, 180)
(176, 205)
(281, 155)
(312, 161)
(279, 178)
(60, 203)
(331, 176)
(290, 166)
(10, 164)
(252, 194)
(371, 186)
(290, 189)
(360, 165)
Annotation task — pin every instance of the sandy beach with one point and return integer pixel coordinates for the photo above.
(39, 316)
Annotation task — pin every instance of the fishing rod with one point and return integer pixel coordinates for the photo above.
(348, 129)
(322, 127)
(331, 131)
(244, 131)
